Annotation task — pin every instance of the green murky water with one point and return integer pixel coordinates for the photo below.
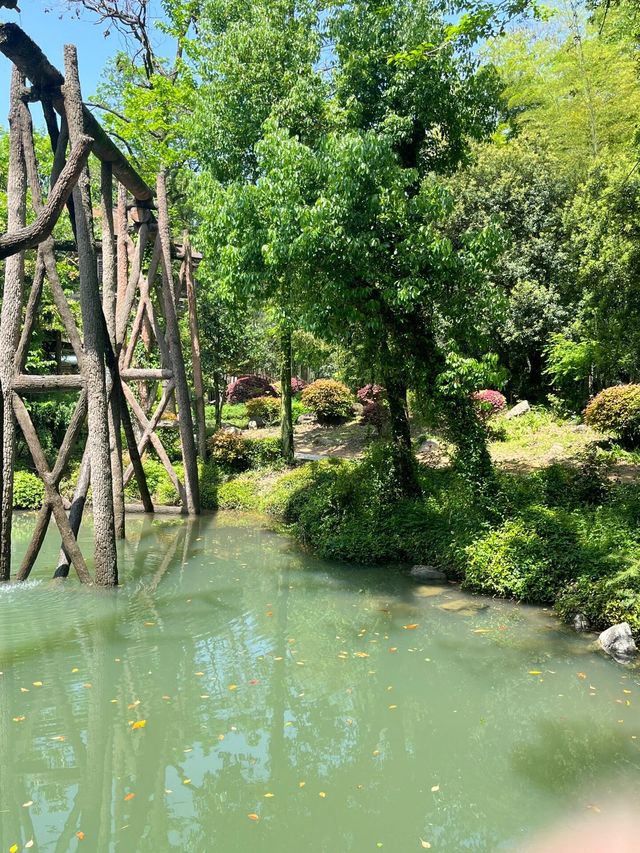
(277, 686)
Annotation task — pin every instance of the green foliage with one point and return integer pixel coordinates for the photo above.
(616, 410)
(232, 413)
(266, 409)
(330, 400)
(209, 478)
(228, 450)
(264, 452)
(28, 490)
(241, 493)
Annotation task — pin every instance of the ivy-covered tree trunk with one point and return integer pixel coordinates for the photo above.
(217, 401)
(468, 433)
(403, 458)
(286, 414)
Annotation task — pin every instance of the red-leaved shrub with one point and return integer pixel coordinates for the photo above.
(371, 393)
(297, 385)
(247, 387)
(489, 403)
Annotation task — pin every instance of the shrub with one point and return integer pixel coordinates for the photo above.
(330, 400)
(209, 479)
(297, 385)
(616, 410)
(241, 493)
(228, 450)
(265, 408)
(247, 387)
(375, 413)
(170, 438)
(489, 403)
(371, 393)
(235, 414)
(263, 452)
(28, 490)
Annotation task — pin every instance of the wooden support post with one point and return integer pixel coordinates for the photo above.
(196, 361)
(11, 315)
(105, 556)
(51, 493)
(109, 299)
(185, 419)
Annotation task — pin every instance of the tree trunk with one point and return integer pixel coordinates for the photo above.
(403, 458)
(11, 316)
(196, 361)
(105, 556)
(286, 416)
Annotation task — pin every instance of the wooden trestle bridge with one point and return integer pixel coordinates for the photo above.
(133, 295)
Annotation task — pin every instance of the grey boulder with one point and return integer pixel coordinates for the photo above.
(618, 642)
(427, 574)
(580, 623)
(519, 409)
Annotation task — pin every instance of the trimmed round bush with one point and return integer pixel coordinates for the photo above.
(265, 408)
(297, 385)
(489, 403)
(28, 490)
(247, 387)
(616, 410)
(229, 450)
(330, 400)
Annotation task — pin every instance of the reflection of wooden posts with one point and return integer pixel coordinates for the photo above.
(187, 278)
(106, 347)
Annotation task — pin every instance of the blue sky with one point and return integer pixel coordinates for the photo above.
(52, 30)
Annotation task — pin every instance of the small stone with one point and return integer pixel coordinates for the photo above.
(580, 623)
(232, 429)
(519, 409)
(256, 423)
(427, 574)
(307, 418)
(618, 642)
(464, 606)
(579, 428)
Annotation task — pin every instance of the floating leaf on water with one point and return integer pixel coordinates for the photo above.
(360, 655)
(75, 669)
(37, 684)
(253, 816)
(268, 796)
(301, 784)
(411, 626)
(29, 844)
(14, 848)
(233, 687)
(425, 844)
(24, 690)
(582, 675)
(393, 649)
(27, 804)
(535, 672)
(133, 705)
(129, 797)
(88, 684)
(139, 724)
(435, 788)
(80, 835)
(19, 719)
(59, 738)
(186, 781)
(322, 794)
(392, 707)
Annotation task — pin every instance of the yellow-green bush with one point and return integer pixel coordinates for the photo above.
(330, 400)
(28, 490)
(266, 409)
(616, 410)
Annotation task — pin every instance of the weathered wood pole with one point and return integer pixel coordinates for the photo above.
(196, 360)
(185, 419)
(109, 298)
(105, 556)
(11, 315)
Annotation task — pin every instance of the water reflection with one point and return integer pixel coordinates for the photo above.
(259, 671)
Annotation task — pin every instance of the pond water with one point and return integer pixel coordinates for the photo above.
(236, 694)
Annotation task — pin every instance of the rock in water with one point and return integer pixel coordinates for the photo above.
(427, 574)
(580, 623)
(519, 409)
(466, 607)
(618, 642)
(429, 591)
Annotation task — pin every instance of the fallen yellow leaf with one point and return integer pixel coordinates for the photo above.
(19, 719)
(253, 816)
(29, 844)
(269, 795)
(535, 672)
(301, 784)
(80, 835)
(322, 794)
(75, 669)
(37, 684)
(361, 655)
(129, 797)
(139, 724)
(411, 626)
(14, 848)
(186, 781)
(27, 804)
(435, 788)
(582, 675)
(233, 687)
(425, 844)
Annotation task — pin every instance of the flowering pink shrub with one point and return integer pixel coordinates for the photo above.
(371, 393)
(297, 385)
(489, 403)
(247, 387)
